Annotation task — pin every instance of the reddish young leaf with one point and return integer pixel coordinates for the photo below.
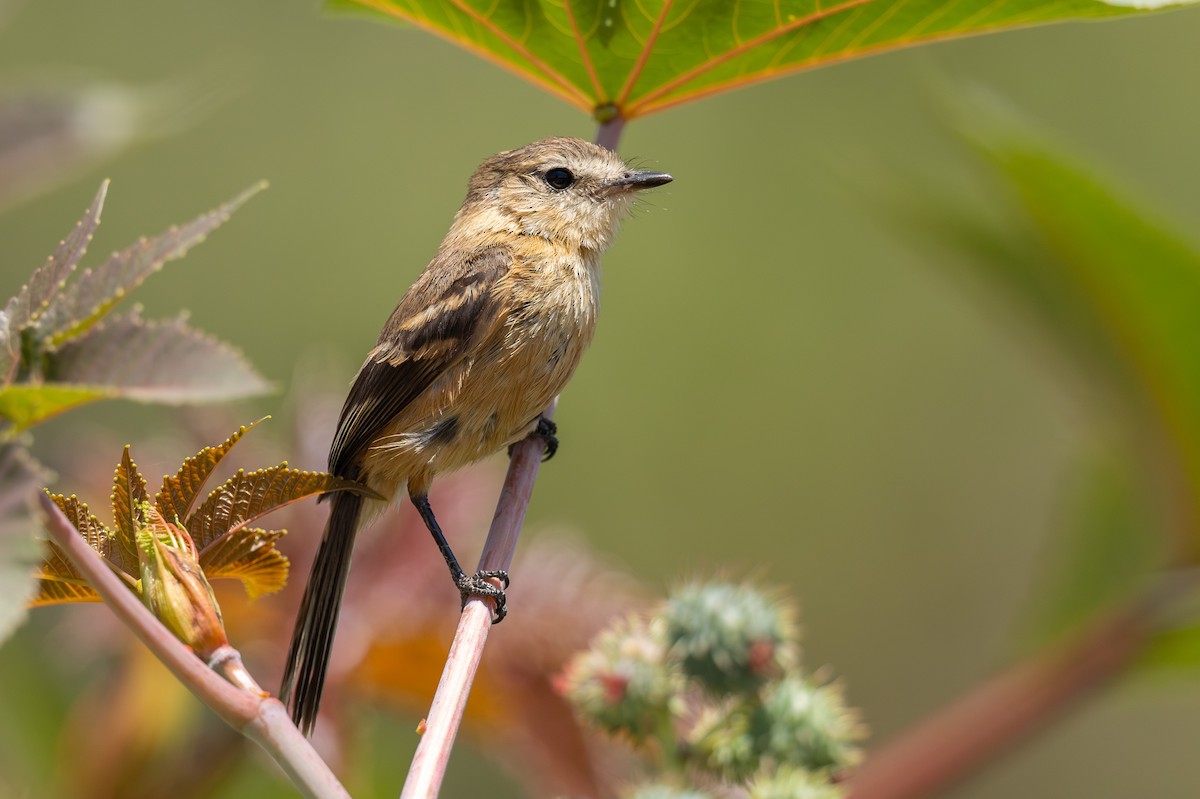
(161, 555)
(98, 537)
(247, 496)
(129, 492)
(249, 555)
(178, 494)
(58, 581)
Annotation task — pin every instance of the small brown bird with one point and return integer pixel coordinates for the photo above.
(478, 346)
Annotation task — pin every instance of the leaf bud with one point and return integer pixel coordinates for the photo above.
(176, 591)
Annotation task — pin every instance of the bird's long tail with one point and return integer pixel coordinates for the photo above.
(312, 639)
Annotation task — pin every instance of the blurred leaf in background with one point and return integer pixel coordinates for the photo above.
(20, 475)
(1118, 293)
(56, 352)
(1128, 287)
(55, 130)
(1110, 547)
(60, 349)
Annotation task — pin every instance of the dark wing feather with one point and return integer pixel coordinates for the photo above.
(430, 331)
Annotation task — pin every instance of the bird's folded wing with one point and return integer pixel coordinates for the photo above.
(431, 330)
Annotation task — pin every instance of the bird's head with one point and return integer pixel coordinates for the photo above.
(566, 190)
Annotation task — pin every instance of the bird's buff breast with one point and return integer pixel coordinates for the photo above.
(494, 398)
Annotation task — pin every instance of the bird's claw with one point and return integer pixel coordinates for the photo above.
(478, 585)
(547, 431)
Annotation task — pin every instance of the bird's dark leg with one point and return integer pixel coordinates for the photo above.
(548, 432)
(475, 585)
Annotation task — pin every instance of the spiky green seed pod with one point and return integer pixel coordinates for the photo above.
(806, 725)
(795, 725)
(793, 783)
(720, 742)
(730, 638)
(663, 791)
(624, 682)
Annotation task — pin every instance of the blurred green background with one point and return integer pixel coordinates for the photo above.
(782, 383)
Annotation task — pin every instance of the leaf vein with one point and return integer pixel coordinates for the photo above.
(685, 78)
(644, 55)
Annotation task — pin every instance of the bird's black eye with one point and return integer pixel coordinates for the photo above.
(559, 178)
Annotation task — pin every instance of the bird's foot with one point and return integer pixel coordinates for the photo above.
(478, 585)
(547, 431)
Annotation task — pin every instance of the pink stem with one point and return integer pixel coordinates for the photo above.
(445, 714)
(260, 718)
(449, 700)
(1002, 713)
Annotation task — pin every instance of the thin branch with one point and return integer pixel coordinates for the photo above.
(428, 769)
(445, 714)
(440, 727)
(273, 730)
(609, 133)
(259, 717)
(1003, 713)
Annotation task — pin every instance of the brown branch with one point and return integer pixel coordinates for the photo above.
(257, 716)
(1004, 712)
(609, 133)
(440, 727)
(445, 714)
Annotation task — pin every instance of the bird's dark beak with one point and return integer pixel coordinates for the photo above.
(640, 179)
